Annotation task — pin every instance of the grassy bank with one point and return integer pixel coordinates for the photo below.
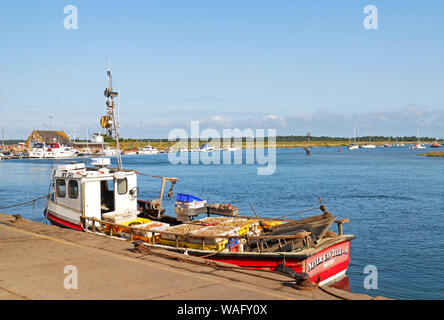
(279, 144)
(433, 154)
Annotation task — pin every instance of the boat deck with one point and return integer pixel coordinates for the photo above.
(34, 255)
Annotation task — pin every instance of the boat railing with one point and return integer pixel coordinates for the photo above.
(178, 237)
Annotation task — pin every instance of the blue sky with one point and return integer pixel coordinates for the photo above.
(294, 66)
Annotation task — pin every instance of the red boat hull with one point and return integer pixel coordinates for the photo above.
(323, 267)
(56, 221)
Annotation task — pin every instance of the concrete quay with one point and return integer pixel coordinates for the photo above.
(34, 258)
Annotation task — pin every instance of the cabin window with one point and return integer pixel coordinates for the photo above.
(73, 189)
(61, 188)
(122, 186)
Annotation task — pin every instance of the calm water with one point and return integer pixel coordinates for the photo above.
(394, 200)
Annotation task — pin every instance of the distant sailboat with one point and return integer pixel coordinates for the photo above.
(419, 145)
(353, 146)
(368, 145)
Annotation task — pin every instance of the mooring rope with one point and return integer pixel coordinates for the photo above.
(23, 203)
(148, 175)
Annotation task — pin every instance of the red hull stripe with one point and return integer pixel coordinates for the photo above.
(63, 223)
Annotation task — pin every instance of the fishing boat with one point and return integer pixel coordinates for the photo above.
(130, 152)
(147, 150)
(96, 198)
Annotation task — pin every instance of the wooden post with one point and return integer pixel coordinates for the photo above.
(340, 222)
(162, 190)
(176, 238)
(203, 243)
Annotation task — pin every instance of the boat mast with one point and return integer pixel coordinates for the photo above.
(109, 121)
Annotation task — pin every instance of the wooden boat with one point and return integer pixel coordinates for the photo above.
(100, 199)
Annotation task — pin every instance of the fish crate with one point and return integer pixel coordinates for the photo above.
(120, 217)
(223, 209)
(144, 232)
(131, 223)
(225, 212)
(190, 205)
(182, 197)
(218, 246)
(185, 211)
(214, 231)
(243, 224)
(182, 244)
(213, 220)
(182, 230)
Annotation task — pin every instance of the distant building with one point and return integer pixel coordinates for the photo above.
(97, 138)
(47, 136)
(96, 145)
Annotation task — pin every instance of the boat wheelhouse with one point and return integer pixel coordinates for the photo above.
(92, 192)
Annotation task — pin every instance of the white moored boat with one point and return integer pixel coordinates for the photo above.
(147, 150)
(56, 151)
(206, 148)
(38, 151)
(353, 146)
(368, 146)
(418, 145)
(109, 152)
(232, 148)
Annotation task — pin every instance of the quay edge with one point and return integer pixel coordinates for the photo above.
(34, 255)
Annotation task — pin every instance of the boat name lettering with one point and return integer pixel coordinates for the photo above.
(326, 256)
